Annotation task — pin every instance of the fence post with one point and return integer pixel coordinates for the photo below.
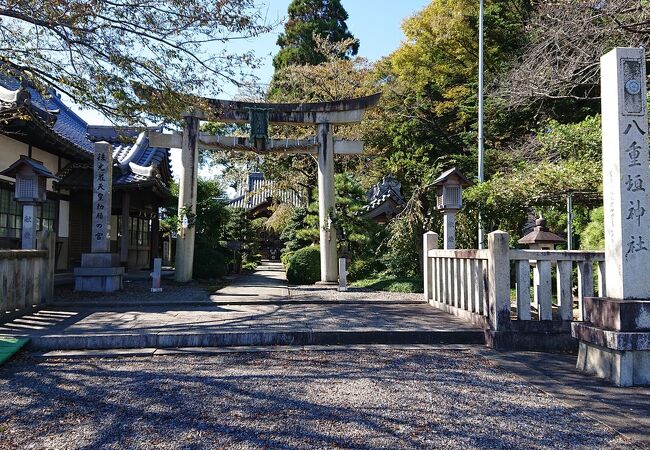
(430, 242)
(47, 242)
(499, 280)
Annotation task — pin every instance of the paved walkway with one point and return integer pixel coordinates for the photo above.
(256, 309)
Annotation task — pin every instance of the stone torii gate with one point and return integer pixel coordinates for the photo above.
(323, 115)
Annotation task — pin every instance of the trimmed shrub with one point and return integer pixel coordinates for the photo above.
(285, 257)
(303, 267)
(211, 262)
(363, 268)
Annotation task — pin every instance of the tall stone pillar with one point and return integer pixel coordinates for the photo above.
(187, 192)
(100, 270)
(326, 205)
(615, 338)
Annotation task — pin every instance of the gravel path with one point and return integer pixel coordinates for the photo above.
(379, 398)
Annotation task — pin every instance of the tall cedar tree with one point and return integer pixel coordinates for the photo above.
(325, 18)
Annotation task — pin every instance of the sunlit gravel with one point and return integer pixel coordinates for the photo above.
(373, 399)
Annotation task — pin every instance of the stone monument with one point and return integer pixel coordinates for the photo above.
(100, 270)
(615, 337)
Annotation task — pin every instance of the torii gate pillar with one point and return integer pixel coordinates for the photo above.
(187, 192)
(326, 205)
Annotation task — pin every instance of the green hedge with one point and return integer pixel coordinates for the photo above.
(303, 266)
(211, 262)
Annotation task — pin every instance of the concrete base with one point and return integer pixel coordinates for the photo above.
(99, 272)
(621, 368)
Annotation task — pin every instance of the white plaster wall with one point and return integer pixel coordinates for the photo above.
(11, 149)
(49, 160)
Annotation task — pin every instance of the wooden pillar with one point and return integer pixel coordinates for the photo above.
(124, 229)
(187, 192)
(326, 204)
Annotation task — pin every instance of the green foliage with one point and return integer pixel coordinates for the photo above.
(294, 235)
(391, 284)
(211, 262)
(558, 160)
(211, 213)
(241, 229)
(362, 234)
(281, 218)
(593, 237)
(402, 255)
(303, 267)
(581, 140)
(363, 267)
(309, 18)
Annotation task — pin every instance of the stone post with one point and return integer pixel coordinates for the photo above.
(449, 225)
(615, 337)
(187, 191)
(499, 280)
(155, 275)
(430, 242)
(326, 204)
(124, 241)
(100, 271)
(102, 195)
(29, 227)
(343, 275)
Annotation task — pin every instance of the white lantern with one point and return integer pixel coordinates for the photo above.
(449, 189)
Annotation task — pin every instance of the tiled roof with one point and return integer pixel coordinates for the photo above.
(138, 163)
(384, 197)
(258, 190)
(132, 165)
(115, 135)
(68, 125)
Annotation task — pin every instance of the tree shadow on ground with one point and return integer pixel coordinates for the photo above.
(332, 399)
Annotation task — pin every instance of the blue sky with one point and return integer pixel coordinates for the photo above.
(376, 23)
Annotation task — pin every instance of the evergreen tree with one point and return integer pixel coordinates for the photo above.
(325, 18)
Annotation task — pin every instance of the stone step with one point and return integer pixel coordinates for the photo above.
(188, 303)
(262, 337)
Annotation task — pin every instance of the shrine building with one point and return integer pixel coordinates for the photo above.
(46, 133)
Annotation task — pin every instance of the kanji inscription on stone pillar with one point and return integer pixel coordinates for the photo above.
(625, 173)
(102, 190)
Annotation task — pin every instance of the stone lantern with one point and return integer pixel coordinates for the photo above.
(31, 189)
(541, 238)
(449, 194)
